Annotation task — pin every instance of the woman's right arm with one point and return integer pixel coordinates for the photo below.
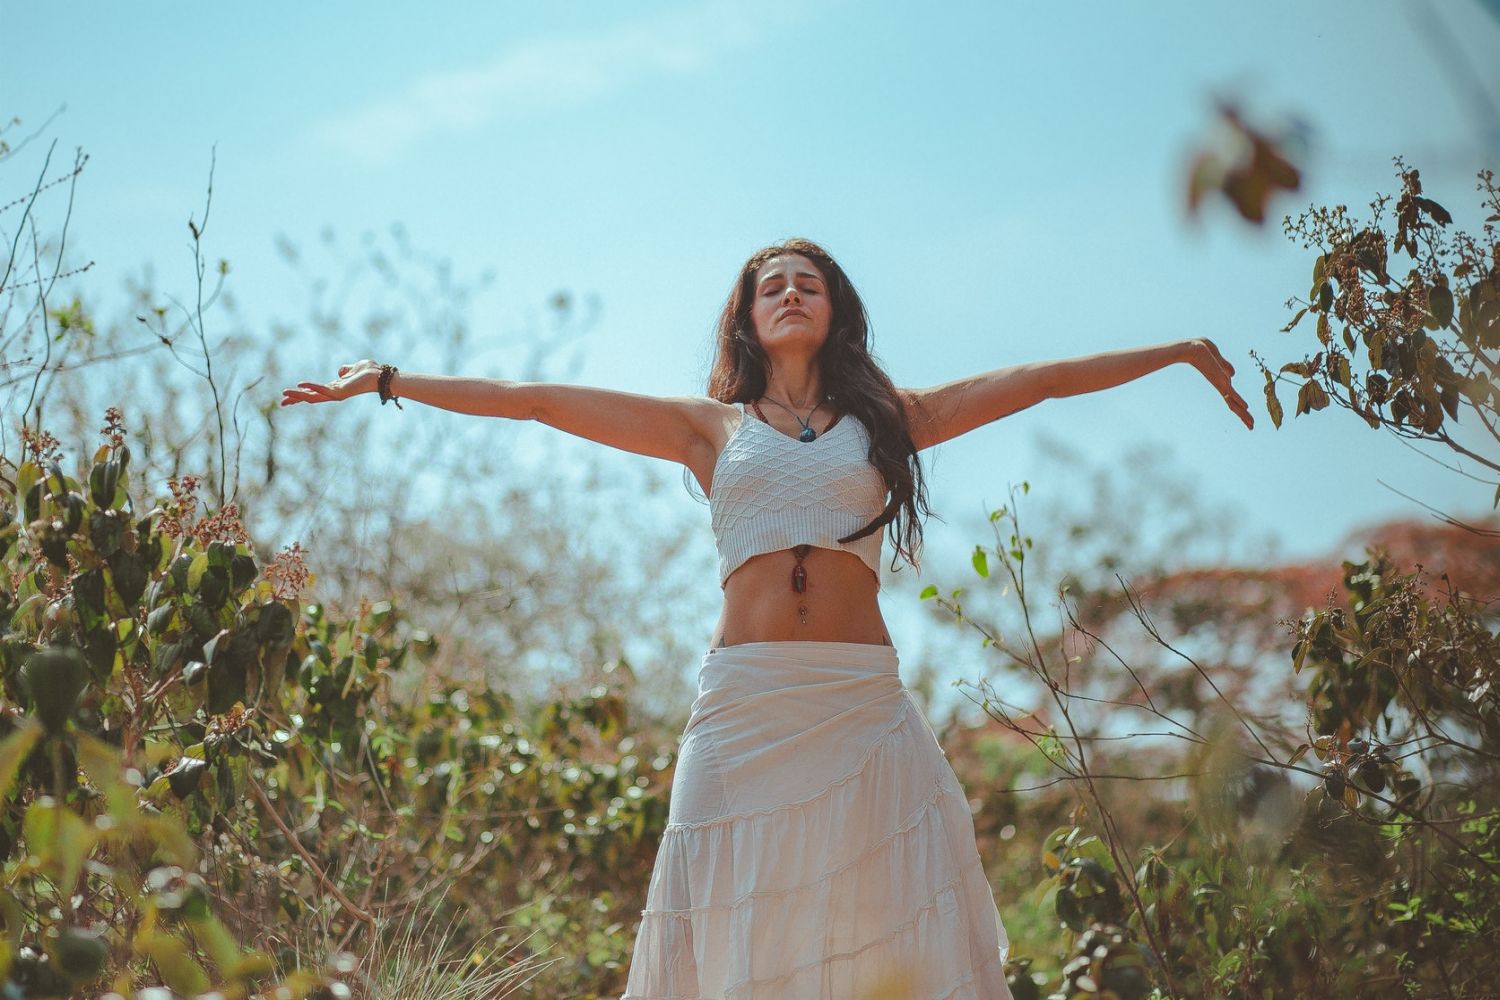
(683, 429)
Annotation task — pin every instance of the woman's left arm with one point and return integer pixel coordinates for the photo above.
(945, 411)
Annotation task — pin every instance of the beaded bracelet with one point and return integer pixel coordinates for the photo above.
(384, 385)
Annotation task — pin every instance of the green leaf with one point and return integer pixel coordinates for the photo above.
(61, 838)
(81, 953)
(216, 940)
(1295, 320)
(928, 592)
(54, 677)
(13, 752)
(981, 562)
(105, 767)
(174, 961)
(27, 476)
(195, 572)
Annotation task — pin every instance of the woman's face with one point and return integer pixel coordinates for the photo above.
(791, 305)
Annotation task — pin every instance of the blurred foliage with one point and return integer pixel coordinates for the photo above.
(1244, 165)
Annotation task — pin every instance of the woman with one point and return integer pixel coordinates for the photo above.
(818, 843)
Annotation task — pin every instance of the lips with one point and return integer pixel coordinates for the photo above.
(794, 312)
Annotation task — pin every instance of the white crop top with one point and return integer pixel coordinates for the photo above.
(772, 491)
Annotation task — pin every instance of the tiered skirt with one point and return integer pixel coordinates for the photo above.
(818, 843)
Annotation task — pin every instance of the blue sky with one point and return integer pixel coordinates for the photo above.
(1004, 183)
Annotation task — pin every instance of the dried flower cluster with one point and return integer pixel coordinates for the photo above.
(41, 445)
(222, 526)
(177, 517)
(114, 427)
(287, 573)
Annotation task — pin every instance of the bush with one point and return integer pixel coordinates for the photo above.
(209, 782)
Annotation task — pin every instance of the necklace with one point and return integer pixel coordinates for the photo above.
(799, 552)
(808, 434)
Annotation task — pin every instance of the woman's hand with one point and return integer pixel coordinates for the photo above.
(361, 377)
(1204, 356)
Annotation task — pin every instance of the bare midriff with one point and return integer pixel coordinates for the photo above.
(841, 601)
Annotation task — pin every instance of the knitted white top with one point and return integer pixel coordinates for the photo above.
(772, 491)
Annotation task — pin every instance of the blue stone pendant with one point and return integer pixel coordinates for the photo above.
(807, 434)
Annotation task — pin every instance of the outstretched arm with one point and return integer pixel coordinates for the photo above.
(945, 411)
(678, 428)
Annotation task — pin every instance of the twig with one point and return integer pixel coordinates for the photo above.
(265, 803)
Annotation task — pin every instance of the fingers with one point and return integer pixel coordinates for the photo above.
(1239, 407)
(1219, 374)
(307, 392)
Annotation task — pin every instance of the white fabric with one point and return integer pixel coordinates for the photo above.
(772, 492)
(818, 844)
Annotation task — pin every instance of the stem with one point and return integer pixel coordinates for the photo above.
(270, 810)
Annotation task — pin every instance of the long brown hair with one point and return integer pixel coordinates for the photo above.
(849, 375)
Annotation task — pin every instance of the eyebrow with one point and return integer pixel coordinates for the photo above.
(801, 274)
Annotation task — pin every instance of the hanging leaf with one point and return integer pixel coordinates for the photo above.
(1440, 304)
(1273, 405)
(1438, 212)
(981, 562)
(14, 750)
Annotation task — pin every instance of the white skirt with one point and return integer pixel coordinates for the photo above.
(818, 843)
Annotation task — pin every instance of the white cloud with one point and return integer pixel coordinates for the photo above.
(546, 75)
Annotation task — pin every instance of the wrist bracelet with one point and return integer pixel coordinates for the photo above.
(387, 372)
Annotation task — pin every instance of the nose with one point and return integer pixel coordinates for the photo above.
(790, 295)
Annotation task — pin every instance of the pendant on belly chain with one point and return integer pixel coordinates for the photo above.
(799, 579)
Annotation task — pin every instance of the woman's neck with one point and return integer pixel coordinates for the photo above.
(801, 392)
